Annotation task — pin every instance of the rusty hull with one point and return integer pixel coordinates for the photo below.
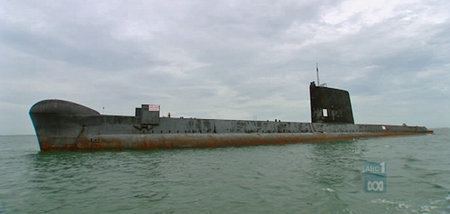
(63, 125)
(180, 141)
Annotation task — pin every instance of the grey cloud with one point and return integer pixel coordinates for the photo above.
(97, 51)
(228, 59)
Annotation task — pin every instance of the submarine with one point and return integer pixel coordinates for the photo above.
(66, 126)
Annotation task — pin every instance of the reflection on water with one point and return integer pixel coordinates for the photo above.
(66, 179)
(340, 159)
(291, 178)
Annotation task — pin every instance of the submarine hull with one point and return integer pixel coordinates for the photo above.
(180, 141)
(63, 125)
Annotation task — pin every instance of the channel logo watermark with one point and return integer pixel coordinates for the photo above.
(374, 176)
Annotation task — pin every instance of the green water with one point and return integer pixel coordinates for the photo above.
(297, 178)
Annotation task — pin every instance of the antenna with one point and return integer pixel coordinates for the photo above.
(317, 73)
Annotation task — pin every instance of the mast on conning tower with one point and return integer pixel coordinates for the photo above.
(317, 73)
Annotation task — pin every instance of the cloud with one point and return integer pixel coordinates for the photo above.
(228, 59)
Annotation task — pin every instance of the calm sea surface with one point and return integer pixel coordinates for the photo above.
(297, 178)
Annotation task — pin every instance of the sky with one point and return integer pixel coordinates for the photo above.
(226, 59)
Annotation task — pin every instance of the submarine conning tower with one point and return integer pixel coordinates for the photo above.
(330, 105)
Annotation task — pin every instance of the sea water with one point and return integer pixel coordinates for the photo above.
(295, 178)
